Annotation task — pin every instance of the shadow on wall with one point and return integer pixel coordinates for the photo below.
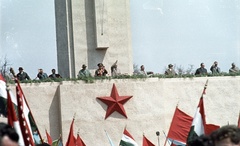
(55, 115)
(91, 37)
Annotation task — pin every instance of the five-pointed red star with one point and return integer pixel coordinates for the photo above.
(115, 102)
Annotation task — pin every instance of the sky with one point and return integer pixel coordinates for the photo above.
(183, 33)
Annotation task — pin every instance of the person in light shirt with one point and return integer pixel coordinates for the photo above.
(170, 70)
(234, 69)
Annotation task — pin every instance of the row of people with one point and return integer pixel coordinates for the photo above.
(202, 70)
(22, 75)
(215, 69)
(101, 71)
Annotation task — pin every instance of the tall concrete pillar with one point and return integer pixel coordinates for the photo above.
(93, 31)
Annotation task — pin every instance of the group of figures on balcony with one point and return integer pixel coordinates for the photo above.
(101, 71)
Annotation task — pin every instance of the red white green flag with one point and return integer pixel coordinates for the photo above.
(3, 97)
(199, 122)
(127, 139)
(198, 127)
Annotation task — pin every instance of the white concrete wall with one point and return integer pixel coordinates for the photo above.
(149, 110)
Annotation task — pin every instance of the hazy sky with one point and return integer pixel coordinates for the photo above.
(184, 33)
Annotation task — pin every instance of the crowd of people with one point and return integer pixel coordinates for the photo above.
(228, 135)
(115, 71)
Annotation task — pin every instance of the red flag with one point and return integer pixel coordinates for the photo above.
(79, 141)
(11, 113)
(12, 117)
(239, 120)
(181, 123)
(49, 139)
(127, 139)
(202, 111)
(210, 128)
(146, 142)
(71, 139)
(23, 112)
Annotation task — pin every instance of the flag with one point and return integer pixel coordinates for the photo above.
(49, 139)
(71, 139)
(210, 128)
(146, 142)
(12, 117)
(23, 112)
(127, 139)
(79, 141)
(3, 97)
(238, 120)
(109, 139)
(179, 128)
(172, 144)
(57, 142)
(198, 127)
(28, 117)
(198, 124)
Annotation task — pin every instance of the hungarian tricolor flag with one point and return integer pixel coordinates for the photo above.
(3, 97)
(179, 128)
(147, 142)
(79, 141)
(199, 122)
(127, 139)
(71, 138)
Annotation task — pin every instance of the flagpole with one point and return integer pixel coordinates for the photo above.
(18, 84)
(238, 124)
(204, 89)
(166, 139)
(158, 134)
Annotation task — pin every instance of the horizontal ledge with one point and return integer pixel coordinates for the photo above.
(102, 48)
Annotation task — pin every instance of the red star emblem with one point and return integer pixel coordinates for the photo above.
(115, 102)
